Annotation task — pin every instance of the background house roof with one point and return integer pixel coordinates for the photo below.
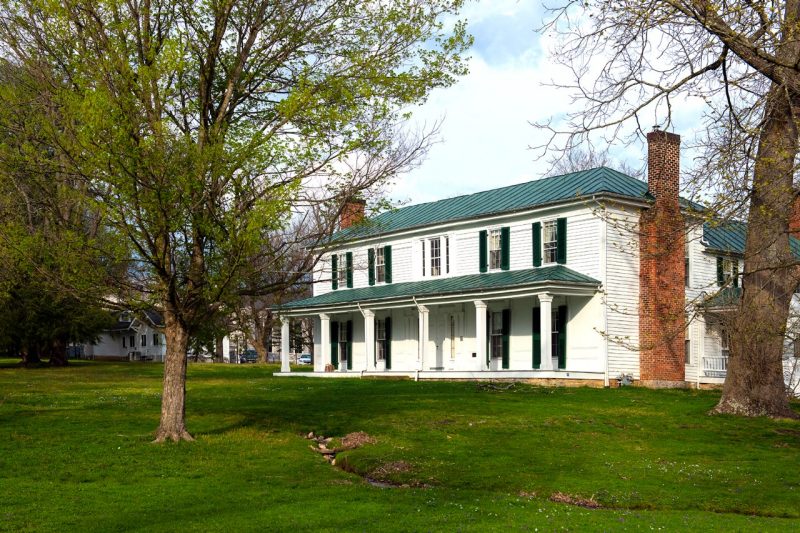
(505, 199)
(444, 286)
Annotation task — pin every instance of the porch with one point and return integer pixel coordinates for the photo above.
(535, 329)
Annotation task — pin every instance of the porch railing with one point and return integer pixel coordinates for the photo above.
(715, 366)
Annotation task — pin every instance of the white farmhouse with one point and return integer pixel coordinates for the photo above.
(135, 337)
(585, 276)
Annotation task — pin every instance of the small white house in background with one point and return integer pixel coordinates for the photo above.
(583, 277)
(135, 337)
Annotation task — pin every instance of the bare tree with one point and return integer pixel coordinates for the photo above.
(577, 159)
(632, 62)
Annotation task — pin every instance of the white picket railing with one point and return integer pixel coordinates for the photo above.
(715, 366)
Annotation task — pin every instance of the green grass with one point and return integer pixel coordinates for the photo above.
(75, 454)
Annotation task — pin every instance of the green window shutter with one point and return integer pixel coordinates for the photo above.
(561, 236)
(562, 337)
(349, 345)
(388, 328)
(735, 272)
(505, 248)
(720, 272)
(506, 338)
(537, 243)
(335, 344)
(371, 265)
(334, 272)
(537, 337)
(488, 337)
(387, 263)
(349, 262)
(483, 252)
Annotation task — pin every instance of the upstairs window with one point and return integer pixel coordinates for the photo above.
(727, 272)
(495, 249)
(342, 273)
(436, 256)
(144, 340)
(380, 265)
(550, 241)
(447, 254)
(686, 265)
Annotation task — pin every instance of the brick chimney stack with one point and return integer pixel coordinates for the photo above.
(794, 219)
(662, 321)
(352, 212)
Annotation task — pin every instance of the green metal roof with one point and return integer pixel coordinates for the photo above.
(512, 198)
(727, 297)
(730, 236)
(444, 286)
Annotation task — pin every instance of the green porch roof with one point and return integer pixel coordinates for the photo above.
(505, 199)
(727, 297)
(445, 286)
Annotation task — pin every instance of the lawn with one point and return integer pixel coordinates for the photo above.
(75, 454)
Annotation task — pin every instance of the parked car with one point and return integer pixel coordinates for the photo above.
(305, 359)
(248, 356)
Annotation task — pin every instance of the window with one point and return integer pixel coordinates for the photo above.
(436, 256)
(495, 252)
(550, 241)
(497, 335)
(144, 340)
(132, 340)
(155, 339)
(380, 340)
(342, 270)
(452, 337)
(686, 266)
(724, 343)
(380, 265)
(556, 346)
(687, 352)
(123, 342)
(343, 355)
(727, 272)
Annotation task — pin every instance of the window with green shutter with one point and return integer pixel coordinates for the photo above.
(561, 235)
(349, 263)
(483, 255)
(505, 248)
(506, 338)
(349, 345)
(388, 328)
(536, 229)
(387, 263)
(560, 345)
(335, 344)
(537, 337)
(334, 272)
(371, 266)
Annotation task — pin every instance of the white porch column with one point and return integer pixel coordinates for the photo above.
(285, 344)
(480, 333)
(226, 349)
(422, 343)
(369, 337)
(546, 307)
(325, 341)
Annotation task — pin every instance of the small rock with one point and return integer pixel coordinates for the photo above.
(310, 435)
(333, 462)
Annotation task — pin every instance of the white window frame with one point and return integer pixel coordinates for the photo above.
(341, 274)
(727, 270)
(435, 244)
(496, 335)
(550, 247)
(380, 265)
(343, 341)
(423, 243)
(724, 343)
(380, 339)
(495, 248)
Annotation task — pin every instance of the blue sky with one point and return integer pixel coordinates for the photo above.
(486, 135)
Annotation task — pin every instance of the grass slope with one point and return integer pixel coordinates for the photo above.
(75, 454)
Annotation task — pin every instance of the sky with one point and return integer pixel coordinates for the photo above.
(486, 133)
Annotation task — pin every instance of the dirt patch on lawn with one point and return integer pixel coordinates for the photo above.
(356, 440)
(586, 503)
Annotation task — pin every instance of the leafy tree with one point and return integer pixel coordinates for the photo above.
(197, 126)
(631, 62)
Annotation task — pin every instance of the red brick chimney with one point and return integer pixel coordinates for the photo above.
(352, 212)
(662, 322)
(794, 218)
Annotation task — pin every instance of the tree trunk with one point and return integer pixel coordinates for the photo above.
(754, 385)
(58, 353)
(173, 400)
(30, 355)
(261, 331)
